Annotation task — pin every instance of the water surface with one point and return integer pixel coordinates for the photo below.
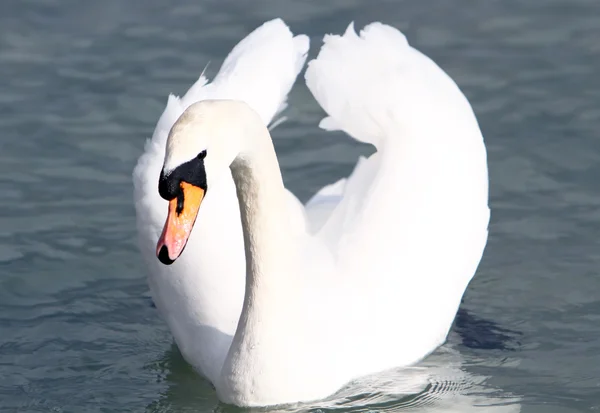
(81, 87)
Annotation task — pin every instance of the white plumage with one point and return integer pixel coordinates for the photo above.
(370, 274)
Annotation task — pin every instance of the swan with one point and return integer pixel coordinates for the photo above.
(200, 296)
(369, 275)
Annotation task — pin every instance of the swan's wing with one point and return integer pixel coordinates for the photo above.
(418, 206)
(322, 204)
(262, 69)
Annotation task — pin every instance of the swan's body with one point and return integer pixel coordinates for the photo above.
(370, 275)
(200, 296)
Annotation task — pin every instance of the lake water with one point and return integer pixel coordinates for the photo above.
(81, 87)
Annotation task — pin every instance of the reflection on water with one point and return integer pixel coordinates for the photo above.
(439, 384)
(480, 333)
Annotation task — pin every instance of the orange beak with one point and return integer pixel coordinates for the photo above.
(179, 224)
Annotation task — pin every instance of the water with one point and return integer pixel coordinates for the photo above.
(81, 87)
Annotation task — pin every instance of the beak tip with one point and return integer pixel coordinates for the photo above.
(163, 256)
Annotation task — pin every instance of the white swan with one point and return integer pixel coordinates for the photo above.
(200, 296)
(376, 282)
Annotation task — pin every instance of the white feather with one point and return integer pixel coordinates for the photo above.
(375, 280)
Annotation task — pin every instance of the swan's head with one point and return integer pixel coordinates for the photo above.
(201, 145)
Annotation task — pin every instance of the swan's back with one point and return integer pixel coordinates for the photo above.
(410, 224)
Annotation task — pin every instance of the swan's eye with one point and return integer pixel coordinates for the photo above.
(191, 172)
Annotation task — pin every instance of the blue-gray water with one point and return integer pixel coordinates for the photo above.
(81, 87)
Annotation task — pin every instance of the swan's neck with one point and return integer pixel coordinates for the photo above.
(263, 211)
(267, 240)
